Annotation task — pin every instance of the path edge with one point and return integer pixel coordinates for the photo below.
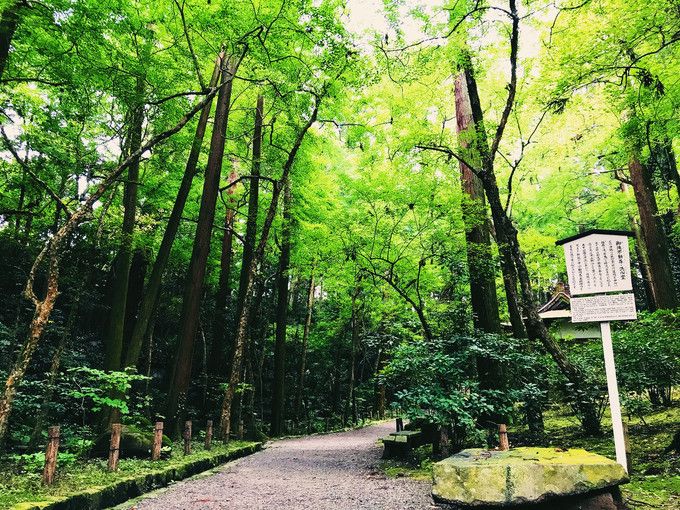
(135, 486)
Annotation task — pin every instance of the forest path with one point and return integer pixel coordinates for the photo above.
(332, 471)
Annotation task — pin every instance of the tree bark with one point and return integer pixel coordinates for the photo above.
(512, 257)
(303, 355)
(41, 316)
(152, 290)
(282, 280)
(244, 319)
(656, 242)
(482, 154)
(253, 205)
(480, 260)
(219, 350)
(9, 21)
(116, 328)
(138, 268)
(354, 325)
(478, 246)
(193, 290)
(643, 261)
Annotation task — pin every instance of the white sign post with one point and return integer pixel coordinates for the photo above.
(598, 261)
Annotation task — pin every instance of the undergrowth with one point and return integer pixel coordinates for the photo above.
(21, 481)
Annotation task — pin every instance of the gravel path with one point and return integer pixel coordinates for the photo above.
(334, 471)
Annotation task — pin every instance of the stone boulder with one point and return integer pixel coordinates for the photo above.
(479, 478)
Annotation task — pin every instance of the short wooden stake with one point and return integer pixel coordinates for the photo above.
(400, 424)
(187, 437)
(157, 441)
(208, 434)
(504, 444)
(51, 455)
(114, 449)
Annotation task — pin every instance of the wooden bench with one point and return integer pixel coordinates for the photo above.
(400, 444)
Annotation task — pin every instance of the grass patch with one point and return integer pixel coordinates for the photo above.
(19, 484)
(419, 467)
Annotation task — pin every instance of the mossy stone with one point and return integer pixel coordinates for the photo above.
(478, 477)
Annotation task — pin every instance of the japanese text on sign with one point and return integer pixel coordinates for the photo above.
(603, 308)
(598, 263)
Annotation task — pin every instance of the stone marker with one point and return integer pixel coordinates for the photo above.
(477, 477)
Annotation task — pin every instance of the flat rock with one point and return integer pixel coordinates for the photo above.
(477, 477)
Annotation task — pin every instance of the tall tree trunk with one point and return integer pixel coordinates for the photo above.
(148, 304)
(43, 309)
(643, 261)
(303, 355)
(475, 115)
(282, 280)
(656, 242)
(479, 257)
(115, 332)
(664, 157)
(253, 205)
(219, 350)
(9, 20)
(507, 235)
(478, 246)
(512, 259)
(193, 290)
(138, 268)
(258, 255)
(354, 325)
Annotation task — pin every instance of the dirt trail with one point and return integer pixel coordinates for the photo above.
(334, 471)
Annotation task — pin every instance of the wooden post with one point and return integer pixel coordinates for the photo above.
(400, 424)
(51, 455)
(629, 464)
(114, 449)
(157, 441)
(208, 434)
(613, 389)
(187, 437)
(504, 444)
(326, 427)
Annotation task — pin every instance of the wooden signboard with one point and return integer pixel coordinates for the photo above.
(598, 262)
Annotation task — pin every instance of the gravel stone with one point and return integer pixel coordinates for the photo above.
(333, 471)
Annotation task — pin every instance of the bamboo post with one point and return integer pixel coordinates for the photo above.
(208, 434)
(187, 437)
(400, 424)
(157, 441)
(504, 444)
(114, 449)
(51, 455)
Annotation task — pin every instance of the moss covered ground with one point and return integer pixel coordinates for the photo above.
(655, 477)
(22, 483)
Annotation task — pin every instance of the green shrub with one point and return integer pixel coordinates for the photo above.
(648, 355)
